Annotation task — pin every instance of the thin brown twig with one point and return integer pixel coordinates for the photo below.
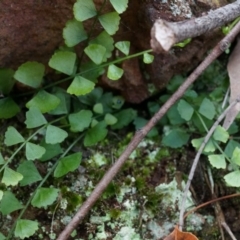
(218, 209)
(196, 160)
(139, 135)
(209, 202)
(165, 34)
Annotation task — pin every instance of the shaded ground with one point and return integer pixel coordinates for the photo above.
(142, 201)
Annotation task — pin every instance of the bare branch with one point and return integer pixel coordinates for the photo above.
(165, 34)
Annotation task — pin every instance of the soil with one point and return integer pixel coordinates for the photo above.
(136, 183)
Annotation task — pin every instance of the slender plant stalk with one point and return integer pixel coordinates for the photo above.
(118, 60)
(92, 29)
(40, 185)
(26, 141)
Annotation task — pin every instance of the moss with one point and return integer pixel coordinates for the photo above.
(140, 183)
(114, 213)
(111, 190)
(73, 199)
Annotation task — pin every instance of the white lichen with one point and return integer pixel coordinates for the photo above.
(63, 203)
(158, 231)
(180, 8)
(127, 233)
(99, 159)
(172, 195)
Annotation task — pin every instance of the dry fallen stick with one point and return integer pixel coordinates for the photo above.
(165, 34)
(210, 202)
(111, 173)
(196, 160)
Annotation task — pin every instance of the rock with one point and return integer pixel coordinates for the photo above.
(31, 30)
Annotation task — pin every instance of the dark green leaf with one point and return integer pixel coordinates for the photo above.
(1, 159)
(231, 147)
(123, 46)
(98, 108)
(92, 71)
(44, 197)
(232, 179)
(175, 83)
(110, 119)
(148, 58)
(34, 118)
(80, 86)
(94, 123)
(207, 109)
(2, 237)
(217, 94)
(74, 33)
(55, 135)
(105, 40)
(64, 105)
(5, 207)
(233, 128)
(114, 72)
(174, 116)
(236, 156)
(29, 172)
(52, 150)
(190, 94)
(30, 74)
(44, 101)
(124, 117)
(176, 138)
(95, 52)
(8, 108)
(6, 80)
(185, 110)
(119, 6)
(84, 10)
(117, 102)
(93, 97)
(95, 134)
(63, 61)
(209, 147)
(217, 160)
(110, 22)
(220, 134)
(198, 122)
(25, 228)
(11, 177)
(106, 101)
(12, 137)
(141, 122)
(34, 151)
(80, 120)
(68, 164)
(153, 107)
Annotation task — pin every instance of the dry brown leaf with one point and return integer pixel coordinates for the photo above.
(179, 235)
(234, 75)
